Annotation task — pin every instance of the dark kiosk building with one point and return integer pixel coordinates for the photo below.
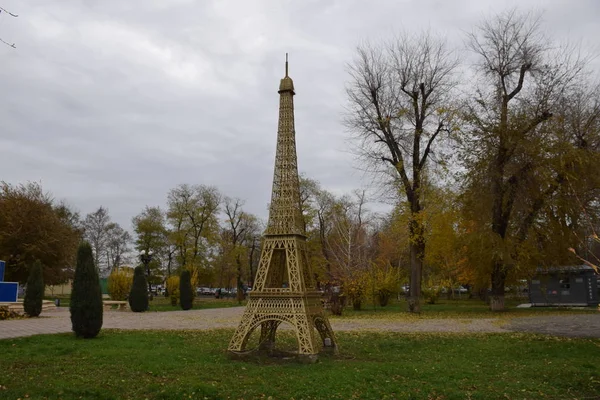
(564, 286)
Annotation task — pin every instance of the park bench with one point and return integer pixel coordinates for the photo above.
(121, 305)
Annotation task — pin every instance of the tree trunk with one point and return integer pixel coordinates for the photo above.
(240, 283)
(498, 282)
(417, 251)
(251, 262)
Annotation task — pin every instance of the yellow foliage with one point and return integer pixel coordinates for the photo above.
(383, 282)
(194, 277)
(173, 288)
(119, 283)
(355, 287)
(431, 289)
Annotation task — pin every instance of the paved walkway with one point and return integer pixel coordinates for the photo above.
(574, 325)
(57, 321)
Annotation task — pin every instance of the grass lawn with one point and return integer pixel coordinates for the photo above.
(161, 303)
(192, 364)
(473, 308)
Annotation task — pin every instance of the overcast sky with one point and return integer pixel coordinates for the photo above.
(113, 102)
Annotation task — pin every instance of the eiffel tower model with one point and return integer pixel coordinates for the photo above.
(284, 288)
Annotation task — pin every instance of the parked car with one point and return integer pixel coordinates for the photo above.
(205, 291)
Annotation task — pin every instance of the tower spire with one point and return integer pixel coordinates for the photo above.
(285, 215)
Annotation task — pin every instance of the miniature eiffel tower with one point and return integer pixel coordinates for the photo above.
(284, 288)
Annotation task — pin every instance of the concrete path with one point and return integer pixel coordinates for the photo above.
(57, 321)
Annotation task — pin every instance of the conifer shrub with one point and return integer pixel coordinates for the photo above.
(32, 304)
(186, 295)
(86, 296)
(120, 281)
(173, 289)
(138, 297)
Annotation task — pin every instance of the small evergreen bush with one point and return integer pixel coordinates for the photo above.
(86, 297)
(138, 297)
(32, 305)
(186, 294)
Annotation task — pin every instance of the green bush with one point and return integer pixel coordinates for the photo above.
(138, 297)
(186, 294)
(32, 305)
(86, 297)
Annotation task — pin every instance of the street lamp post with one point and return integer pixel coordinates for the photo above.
(146, 258)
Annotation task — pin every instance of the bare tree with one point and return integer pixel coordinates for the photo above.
(348, 243)
(512, 148)
(240, 231)
(95, 227)
(399, 107)
(317, 206)
(2, 10)
(117, 245)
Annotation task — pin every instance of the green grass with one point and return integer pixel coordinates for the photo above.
(164, 304)
(161, 303)
(193, 364)
(473, 308)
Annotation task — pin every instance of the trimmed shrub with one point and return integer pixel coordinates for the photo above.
(86, 297)
(32, 305)
(138, 297)
(186, 295)
(120, 281)
(173, 289)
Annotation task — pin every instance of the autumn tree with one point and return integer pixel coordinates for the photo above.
(152, 235)
(349, 244)
(253, 244)
(573, 215)
(387, 260)
(69, 216)
(317, 205)
(517, 154)
(193, 218)
(239, 234)
(399, 108)
(33, 227)
(446, 259)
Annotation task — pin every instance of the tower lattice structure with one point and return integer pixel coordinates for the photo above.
(284, 288)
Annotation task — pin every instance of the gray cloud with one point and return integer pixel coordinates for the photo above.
(113, 103)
